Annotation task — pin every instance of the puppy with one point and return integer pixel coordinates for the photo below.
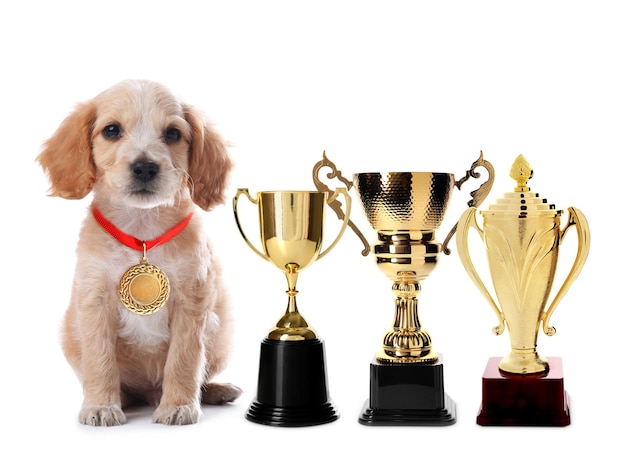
(150, 162)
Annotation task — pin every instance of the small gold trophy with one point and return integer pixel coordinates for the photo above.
(522, 236)
(292, 387)
(406, 209)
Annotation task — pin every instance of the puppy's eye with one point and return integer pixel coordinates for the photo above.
(112, 131)
(172, 134)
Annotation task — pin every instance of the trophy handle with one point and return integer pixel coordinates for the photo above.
(576, 218)
(332, 200)
(467, 220)
(478, 196)
(336, 206)
(245, 192)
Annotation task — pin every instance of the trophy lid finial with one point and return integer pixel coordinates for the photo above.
(521, 172)
(522, 202)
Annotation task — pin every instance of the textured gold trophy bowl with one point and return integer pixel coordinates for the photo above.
(291, 233)
(405, 209)
(522, 235)
(404, 200)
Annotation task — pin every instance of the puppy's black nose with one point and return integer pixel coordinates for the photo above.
(145, 171)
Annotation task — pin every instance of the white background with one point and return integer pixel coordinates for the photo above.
(394, 85)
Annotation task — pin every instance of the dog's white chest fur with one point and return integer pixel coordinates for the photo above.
(145, 330)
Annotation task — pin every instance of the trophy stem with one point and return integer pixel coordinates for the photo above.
(292, 278)
(407, 341)
(292, 326)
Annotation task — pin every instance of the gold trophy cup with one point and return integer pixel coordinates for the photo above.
(292, 388)
(522, 236)
(406, 209)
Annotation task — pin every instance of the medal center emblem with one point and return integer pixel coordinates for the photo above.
(144, 288)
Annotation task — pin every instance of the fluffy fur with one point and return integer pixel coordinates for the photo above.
(166, 359)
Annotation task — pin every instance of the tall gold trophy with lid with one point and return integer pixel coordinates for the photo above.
(522, 235)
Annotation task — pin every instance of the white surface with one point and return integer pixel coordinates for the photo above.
(380, 86)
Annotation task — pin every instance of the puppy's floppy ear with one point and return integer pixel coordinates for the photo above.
(67, 158)
(209, 163)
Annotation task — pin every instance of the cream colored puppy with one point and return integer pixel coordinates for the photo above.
(153, 165)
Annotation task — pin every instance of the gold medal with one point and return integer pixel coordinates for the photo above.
(144, 288)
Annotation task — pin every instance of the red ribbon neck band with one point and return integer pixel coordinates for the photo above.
(132, 241)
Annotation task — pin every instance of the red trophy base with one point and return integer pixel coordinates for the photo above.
(524, 400)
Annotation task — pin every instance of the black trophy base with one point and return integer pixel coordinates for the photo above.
(292, 388)
(524, 400)
(408, 394)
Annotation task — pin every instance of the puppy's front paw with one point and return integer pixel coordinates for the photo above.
(102, 415)
(177, 415)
